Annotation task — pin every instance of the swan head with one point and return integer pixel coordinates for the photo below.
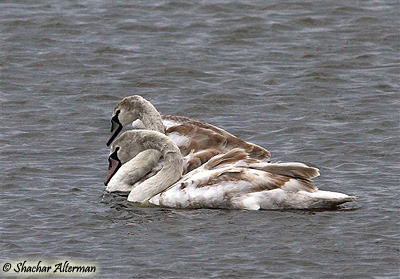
(113, 165)
(130, 109)
(121, 151)
(124, 113)
(132, 142)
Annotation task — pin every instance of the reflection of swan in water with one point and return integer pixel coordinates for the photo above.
(231, 180)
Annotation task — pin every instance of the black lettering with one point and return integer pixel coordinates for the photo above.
(18, 267)
(58, 267)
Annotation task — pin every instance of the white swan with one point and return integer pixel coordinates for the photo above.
(190, 135)
(232, 180)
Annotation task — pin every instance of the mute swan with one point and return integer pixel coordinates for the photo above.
(232, 180)
(146, 164)
(190, 135)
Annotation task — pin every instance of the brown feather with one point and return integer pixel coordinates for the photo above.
(200, 138)
(231, 157)
(294, 170)
(231, 141)
(199, 158)
(256, 180)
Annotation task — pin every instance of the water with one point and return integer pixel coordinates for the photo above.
(312, 81)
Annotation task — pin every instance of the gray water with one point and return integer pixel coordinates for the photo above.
(312, 81)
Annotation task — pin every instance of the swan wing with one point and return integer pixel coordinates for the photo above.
(226, 188)
(191, 138)
(172, 122)
(294, 170)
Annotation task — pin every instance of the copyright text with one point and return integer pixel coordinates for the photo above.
(39, 267)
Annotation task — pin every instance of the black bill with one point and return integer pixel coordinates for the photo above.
(113, 165)
(116, 127)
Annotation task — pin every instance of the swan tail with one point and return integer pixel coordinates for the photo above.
(280, 199)
(333, 198)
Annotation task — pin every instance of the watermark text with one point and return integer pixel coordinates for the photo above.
(40, 268)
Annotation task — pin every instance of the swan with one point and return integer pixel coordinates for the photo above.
(145, 164)
(198, 141)
(190, 135)
(232, 180)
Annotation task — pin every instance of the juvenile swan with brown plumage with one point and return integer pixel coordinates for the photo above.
(190, 135)
(233, 180)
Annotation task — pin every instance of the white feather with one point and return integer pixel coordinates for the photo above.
(138, 124)
(169, 123)
(179, 139)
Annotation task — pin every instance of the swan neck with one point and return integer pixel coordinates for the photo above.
(150, 117)
(168, 175)
(134, 170)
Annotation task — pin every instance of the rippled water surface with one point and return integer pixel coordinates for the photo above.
(312, 81)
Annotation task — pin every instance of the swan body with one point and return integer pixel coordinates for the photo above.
(232, 180)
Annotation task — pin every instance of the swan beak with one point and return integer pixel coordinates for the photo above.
(113, 165)
(116, 127)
